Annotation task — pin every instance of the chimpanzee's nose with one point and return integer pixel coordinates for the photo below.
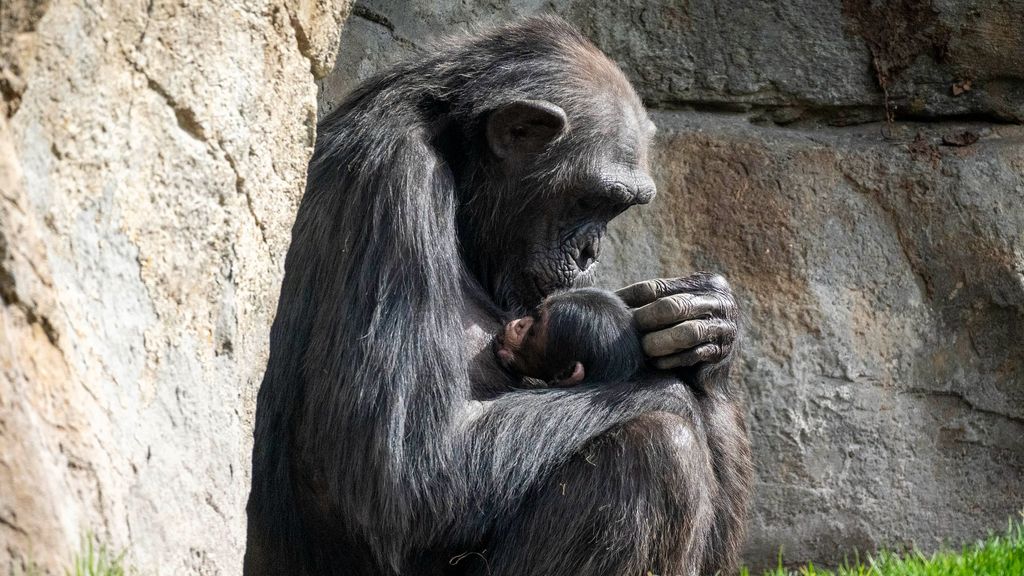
(645, 188)
(588, 254)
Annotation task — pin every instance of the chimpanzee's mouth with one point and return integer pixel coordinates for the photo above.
(575, 269)
(545, 285)
(536, 285)
(539, 287)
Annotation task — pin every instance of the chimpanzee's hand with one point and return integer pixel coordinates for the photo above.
(686, 321)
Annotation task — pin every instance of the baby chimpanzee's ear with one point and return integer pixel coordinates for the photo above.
(571, 377)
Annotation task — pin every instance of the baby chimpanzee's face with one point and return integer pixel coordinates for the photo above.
(576, 334)
(521, 346)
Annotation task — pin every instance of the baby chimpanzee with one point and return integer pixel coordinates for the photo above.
(584, 333)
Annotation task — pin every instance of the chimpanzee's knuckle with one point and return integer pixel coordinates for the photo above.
(724, 327)
(637, 294)
(718, 283)
(702, 330)
(653, 344)
(662, 309)
(710, 352)
(650, 290)
(661, 287)
(730, 302)
(688, 359)
(726, 349)
(646, 316)
(681, 334)
(727, 333)
(725, 306)
(681, 306)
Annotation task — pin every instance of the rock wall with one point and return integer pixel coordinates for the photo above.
(152, 155)
(881, 265)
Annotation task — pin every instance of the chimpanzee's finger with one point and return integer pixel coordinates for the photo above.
(706, 353)
(677, 308)
(648, 291)
(686, 335)
(645, 292)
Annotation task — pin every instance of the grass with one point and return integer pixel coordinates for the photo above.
(997, 555)
(97, 560)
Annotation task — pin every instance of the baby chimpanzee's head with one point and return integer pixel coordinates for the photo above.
(584, 333)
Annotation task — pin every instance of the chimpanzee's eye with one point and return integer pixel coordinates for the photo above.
(586, 203)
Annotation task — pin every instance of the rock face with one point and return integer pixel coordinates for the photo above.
(152, 156)
(881, 265)
(798, 58)
(883, 283)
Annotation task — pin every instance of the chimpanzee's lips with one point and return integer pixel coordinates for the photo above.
(544, 287)
(538, 288)
(534, 285)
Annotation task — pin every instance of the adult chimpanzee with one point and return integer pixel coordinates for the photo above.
(576, 335)
(441, 195)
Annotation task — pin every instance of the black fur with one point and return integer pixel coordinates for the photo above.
(386, 442)
(596, 328)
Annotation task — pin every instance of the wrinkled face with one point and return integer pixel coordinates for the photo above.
(564, 178)
(521, 346)
(565, 245)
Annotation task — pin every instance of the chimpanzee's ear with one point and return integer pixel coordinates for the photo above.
(524, 127)
(570, 377)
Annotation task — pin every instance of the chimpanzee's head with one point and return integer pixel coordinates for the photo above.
(552, 143)
(573, 335)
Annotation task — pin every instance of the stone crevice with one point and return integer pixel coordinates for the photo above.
(814, 116)
(894, 221)
(11, 524)
(185, 116)
(969, 404)
(240, 189)
(379, 19)
(189, 123)
(302, 41)
(9, 296)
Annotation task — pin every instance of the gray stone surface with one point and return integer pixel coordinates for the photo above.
(881, 266)
(817, 58)
(151, 159)
(883, 285)
(152, 156)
